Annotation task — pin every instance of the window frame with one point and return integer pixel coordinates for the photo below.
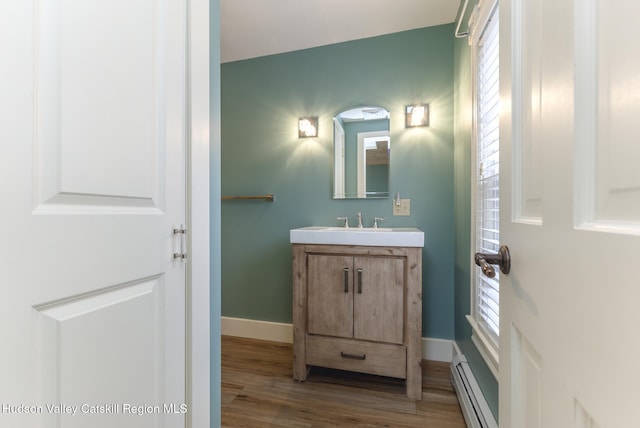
(484, 342)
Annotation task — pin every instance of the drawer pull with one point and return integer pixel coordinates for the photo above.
(360, 280)
(353, 356)
(346, 280)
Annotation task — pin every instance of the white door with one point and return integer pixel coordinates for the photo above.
(570, 214)
(92, 167)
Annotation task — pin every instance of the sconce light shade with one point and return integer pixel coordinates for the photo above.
(307, 127)
(417, 115)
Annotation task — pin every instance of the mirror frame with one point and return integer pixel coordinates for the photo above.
(340, 170)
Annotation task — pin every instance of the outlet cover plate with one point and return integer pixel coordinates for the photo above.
(404, 209)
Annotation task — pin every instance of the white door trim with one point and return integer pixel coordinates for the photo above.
(198, 211)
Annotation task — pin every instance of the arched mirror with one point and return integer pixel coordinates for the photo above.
(362, 148)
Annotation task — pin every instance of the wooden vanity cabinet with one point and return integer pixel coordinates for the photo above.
(359, 309)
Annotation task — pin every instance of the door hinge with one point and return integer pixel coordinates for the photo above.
(179, 249)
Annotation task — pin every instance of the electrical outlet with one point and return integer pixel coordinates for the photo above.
(403, 209)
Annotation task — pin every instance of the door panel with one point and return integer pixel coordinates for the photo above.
(527, 85)
(97, 81)
(93, 184)
(527, 374)
(78, 350)
(101, 102)
(608, 103)
(330, 295)
(378, 300)
(569, 305)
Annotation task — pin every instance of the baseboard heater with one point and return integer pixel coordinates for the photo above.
(475, 409)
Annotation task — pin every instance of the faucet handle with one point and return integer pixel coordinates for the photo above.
(375, 221)
(346, 221)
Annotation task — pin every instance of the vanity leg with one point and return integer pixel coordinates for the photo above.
(299, 313)
(413, 324)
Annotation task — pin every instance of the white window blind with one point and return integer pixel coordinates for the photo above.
(487, 311)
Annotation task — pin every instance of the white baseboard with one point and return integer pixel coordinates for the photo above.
(253, 329)
(432, 349)
(456, 349)
(437, 349)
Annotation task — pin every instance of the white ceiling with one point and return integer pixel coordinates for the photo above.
(253, 28)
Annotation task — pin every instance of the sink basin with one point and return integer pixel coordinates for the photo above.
(380, 237)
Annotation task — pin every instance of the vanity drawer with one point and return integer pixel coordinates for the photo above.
(381, 359)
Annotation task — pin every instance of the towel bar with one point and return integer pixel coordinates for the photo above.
(269, 197)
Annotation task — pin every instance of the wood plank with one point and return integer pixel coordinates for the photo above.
(413, 322)
(258, 391)
(358, 250)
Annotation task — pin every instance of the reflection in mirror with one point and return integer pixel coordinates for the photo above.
(362, 148)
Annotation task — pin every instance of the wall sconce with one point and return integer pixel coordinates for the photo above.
(417, 115)
(307, 127)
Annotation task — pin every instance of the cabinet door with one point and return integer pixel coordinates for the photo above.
(330, 295)
(378, 295)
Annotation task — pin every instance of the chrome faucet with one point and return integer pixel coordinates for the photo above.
(375, 221)
(346, 221)
(359, 214)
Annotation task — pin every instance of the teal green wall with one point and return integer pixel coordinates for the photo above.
(378, 178)
(262, 99)
(462, 209)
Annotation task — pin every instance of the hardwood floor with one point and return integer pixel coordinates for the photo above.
(258, 391)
